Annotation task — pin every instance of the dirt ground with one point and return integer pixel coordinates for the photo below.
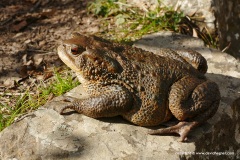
(30, 32)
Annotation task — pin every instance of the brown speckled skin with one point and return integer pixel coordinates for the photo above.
(145, 88)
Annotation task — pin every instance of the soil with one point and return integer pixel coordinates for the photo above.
(30, 31)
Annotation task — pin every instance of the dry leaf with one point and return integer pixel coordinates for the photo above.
(19, 26)
(47, 75)
(22, 71)
(10, 82)
(195, 33)
(37, 59)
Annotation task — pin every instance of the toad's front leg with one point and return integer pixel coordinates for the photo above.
(108, 102)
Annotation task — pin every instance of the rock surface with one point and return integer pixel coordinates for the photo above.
(45, 134)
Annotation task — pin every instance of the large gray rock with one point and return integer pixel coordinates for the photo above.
(45, 134)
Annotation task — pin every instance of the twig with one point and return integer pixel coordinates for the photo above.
(226, 47)
(15, 94)
(40, 51)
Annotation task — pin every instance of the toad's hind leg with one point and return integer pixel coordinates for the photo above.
(108, 102)
(192, 102)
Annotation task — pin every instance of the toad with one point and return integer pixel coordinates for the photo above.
(146, 89)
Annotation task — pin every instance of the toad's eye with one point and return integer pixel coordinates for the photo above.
(74, 50)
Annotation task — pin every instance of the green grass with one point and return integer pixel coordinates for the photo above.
(59, 85)
(124, 22)
(28, 101)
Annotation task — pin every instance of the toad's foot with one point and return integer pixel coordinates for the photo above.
(182, 128)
